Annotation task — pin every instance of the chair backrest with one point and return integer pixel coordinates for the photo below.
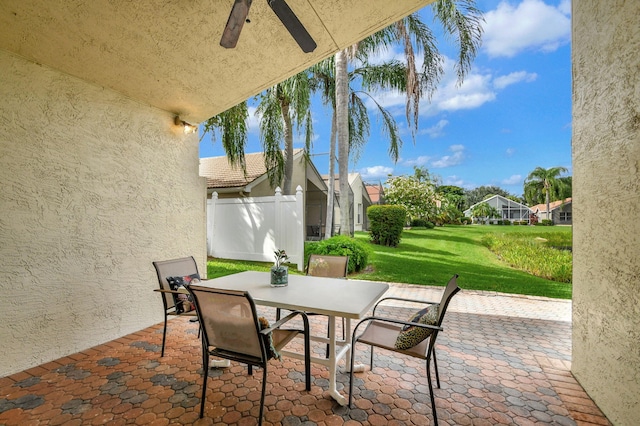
(173, 268)
(229, 321)
(450, 290)
(322, 265)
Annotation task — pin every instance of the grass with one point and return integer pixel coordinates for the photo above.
(432, 256)
(544, 255)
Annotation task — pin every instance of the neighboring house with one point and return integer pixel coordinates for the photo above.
(559, 211)
(359, 200)
(232, 182)
(509, 209)
(376, 193)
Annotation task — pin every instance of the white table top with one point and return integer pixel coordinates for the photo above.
(328, 296)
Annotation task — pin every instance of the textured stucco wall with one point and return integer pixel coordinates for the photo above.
(95, 187)
(606, 198)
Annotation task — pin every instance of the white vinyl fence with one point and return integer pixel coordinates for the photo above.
(252, 228)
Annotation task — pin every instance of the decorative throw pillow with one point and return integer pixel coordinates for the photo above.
(268, 340)
(410, 336)
(183, 302)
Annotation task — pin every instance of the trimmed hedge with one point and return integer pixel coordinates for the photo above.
(386, 223)
(340, 245)
(422, 223)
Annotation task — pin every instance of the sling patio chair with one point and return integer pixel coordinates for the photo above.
(324, 265)
(415, 337)
(231, 329)
(173, 275)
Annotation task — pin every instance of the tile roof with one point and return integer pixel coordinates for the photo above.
(219, 173)
(542, 208)
(375, 191)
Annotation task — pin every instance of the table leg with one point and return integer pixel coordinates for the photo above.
(333, 363)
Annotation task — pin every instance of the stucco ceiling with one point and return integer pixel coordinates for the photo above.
(166, 53)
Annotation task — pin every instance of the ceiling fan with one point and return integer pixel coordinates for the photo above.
(238, 17)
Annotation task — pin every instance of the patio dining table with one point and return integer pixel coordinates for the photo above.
(334, 297)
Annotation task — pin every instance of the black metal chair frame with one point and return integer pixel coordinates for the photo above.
(450, 290)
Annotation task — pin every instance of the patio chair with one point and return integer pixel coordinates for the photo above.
(404, 336)
(324, 265)
(172, 299)
(232, 330)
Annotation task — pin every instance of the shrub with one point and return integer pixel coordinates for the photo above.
(340, 245)
(466, 220)
(545, 222)
(506, 222)
(418, 223)
(386, 223)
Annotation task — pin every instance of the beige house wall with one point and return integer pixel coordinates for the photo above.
(95, 187)
(606, 172)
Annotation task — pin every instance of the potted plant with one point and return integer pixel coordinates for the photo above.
(280, 272)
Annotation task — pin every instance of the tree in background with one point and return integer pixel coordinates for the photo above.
(367, 76)
(544, 182)
(232, 125)
(481, 193)
(483, 212)
(460, 19)
(453, 194)
(417, 197)
(281, 106)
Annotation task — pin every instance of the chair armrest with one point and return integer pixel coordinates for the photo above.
(281, 321)
(402, 299)
(395, 321)
(161, 290)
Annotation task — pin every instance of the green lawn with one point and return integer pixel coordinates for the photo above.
(432, 256)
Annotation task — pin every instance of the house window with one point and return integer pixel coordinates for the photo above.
(359, 213)
(565, 216)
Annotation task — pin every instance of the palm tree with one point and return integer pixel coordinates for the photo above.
(484, 212)
(459, 19)
(544, 181)
(358, 120)
(280, 106)
(232, 125)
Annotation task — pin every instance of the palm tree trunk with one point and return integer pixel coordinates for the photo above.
(547, 196)
(288, 149)
(328, 232)
(342, 124)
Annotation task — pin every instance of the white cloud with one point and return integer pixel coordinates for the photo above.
(532, 24)
(510, 152)
(457, 181)
(420, 161)
(450, 160)
(512, 180)
(253, 123)
(515, 77)
(375, 173)
(436, 130)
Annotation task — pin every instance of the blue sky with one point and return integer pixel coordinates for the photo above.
(511, 114)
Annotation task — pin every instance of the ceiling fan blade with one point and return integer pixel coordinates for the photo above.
(293, 25)
(236, 20)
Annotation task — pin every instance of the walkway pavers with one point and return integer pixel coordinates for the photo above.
(502, 360)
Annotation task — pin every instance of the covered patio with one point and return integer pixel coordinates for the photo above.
(503, 359)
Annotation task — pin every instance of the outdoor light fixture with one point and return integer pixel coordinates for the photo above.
(188, 128)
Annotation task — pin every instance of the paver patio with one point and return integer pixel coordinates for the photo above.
(503, 359)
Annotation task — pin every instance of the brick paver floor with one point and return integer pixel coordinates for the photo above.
(502, 359)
